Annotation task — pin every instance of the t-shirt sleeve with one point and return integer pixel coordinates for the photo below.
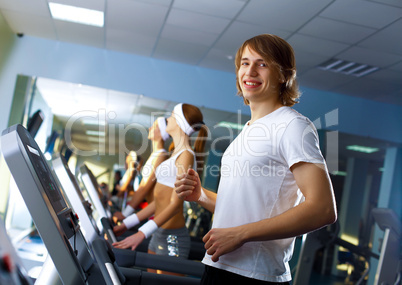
(300, 143)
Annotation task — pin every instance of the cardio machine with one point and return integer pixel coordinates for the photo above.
(74, 194)
(125, 258)
(100, 202)
(75, 260)
(389, 259)
(12, 270)
(98, 198)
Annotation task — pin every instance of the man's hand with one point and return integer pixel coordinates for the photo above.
(188, 186)
(221, 241)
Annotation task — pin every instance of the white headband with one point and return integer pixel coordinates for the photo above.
(162, 128)
(181, 120)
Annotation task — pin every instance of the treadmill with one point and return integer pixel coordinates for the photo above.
(72, 191)
(95, 194)
(75, 260)
(124, 257)
(12, 271)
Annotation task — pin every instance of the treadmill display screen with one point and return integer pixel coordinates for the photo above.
(44, 173)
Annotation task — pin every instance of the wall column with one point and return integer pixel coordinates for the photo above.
(349, 216)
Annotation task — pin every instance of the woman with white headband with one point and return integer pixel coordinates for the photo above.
(157, 135)
(167, 207)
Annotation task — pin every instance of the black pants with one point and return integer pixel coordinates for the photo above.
(215, 276)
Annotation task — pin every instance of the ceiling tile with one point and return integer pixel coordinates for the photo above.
(324, 80)
(315, 45)
(80, 34)
(238, 32)
(88, 4)
(396, 3)
(386, 76)
(335, 30)
(31, 25)
(120, 109)
(362, 12)
(36, 7)
(365, 88)
(397, 67)
(165, 3)
(130, 42)
(217, 59)
(222, 8)
(370, 57)
(306, 61)
(388, 35)
(196, 21)
(288, 15)
(179, 51)
(188, 35)
(309, 59)
(138, 17)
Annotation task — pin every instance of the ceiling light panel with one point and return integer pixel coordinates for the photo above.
(347, 67)
(76, 14)
(364, 149)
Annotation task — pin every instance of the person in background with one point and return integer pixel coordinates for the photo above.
(116, 182)
(168, 223)
(138, 177)
(157, 135)
(126, 183)
(285, 190)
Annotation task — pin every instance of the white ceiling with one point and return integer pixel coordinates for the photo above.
(207, 33)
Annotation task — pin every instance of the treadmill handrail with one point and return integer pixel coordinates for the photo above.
(128, 258)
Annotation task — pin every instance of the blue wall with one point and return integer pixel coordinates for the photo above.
(177, 82)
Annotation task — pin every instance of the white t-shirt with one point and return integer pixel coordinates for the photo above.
(256, 183)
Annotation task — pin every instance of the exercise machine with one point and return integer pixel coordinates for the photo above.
(12, 271)
(95, 194)
(389, 258)
(124, 258)
(389, 263)
(99, 200)
(75, 260)
(73, 192)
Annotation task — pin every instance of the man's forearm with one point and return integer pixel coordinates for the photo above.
(207, 200)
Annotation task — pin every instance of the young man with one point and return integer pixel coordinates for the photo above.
(286, 190)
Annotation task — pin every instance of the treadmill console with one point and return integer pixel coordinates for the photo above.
(55, 221)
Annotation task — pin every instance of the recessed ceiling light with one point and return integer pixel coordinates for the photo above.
(76, 14)
(95, 133)
(360, 148)
(94, 122)
(96, 140)
(339, 173)
(347, 67)
(234, 126)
